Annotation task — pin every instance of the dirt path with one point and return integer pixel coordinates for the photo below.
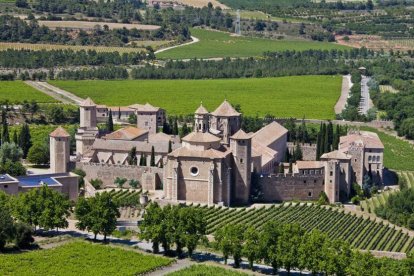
(195, 40)
(55, 92)
(346, 87)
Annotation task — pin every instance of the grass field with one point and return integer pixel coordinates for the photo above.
(298, 96)
(18, 91)
(36, 47)
(80, 258)
(214, 44)
(398, 154)
(90, 25)
(204, 270)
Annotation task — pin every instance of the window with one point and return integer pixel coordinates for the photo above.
(241, 160)
(309, 194)
(330, 181)
(331, 173)
(194, 171)
(369, 158)
(304, 181)
(6, 186)
(314, 181)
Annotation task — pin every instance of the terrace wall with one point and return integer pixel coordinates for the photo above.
(287, 187)
(150, 178)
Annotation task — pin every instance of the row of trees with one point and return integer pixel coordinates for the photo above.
(328, 138)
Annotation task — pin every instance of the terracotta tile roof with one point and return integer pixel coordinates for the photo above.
(336, 155)
(225, 110)
(144, 108)
(301, 165)
(241, 135)
(201, 110)
(126, 133)
(59, 132)
(201, 137)
(265, 153)
(126, 146)
(366, 138)
(209, 154)
(122, 108)
(87, 103)
(159, 136)
(269, 134)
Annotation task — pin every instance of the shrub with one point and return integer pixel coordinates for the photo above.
(24, 236)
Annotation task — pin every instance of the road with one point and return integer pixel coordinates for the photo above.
(366, 103)
(195, 40)
(346, 87)
(55, 92)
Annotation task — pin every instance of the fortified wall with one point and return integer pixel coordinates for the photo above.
(150, 178)
(308, 150)
(291, 187)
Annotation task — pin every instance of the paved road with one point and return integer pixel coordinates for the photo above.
(55, 92)
(366, 103)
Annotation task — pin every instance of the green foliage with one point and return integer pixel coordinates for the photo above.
(206, 270)
(214, 44)
(24, 235)
(39, 154)
(85, 259)
(110, 122)
(81, 173)
(132, 156)
(256, 96)
(96, 183)
(323, 199)
(7, 231)
(25, 139)
(119, 181)
(97, 214)
(10, 152)
(230, 242)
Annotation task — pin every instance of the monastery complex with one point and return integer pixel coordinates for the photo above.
(217, 163)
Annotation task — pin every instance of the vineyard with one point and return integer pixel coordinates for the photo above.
(362, 233)
(128, 201)
(37, 47)
(369, 205)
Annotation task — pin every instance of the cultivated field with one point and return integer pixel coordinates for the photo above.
(377, 42)
(91, 25)
(298, 96)
(18, 91)
(214, 44)
(80, 258)
(360, 232)
(202, 3)
(206, 270)
(398, 154)
(36, 47)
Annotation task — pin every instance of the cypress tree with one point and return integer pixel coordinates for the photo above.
(175, 127)
(15, 138)
(326, 140)
(110, 122)
(119, 113)
(132, 156)
(337, 135)
(144, 160)
(5, 134)
(298, 152)
(25, 139)
(152, 160)
(281, 168)
(318, 146)
(330, 135)
(290, 167)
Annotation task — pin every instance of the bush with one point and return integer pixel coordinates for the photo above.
(96, 183)
(356, 200)
(39, 154)
(13, 168)
(24, 235)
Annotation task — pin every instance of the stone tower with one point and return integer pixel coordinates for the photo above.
(201, 119)
(88, 130)
(241, 147)
(332, 180)
(225, 121)
(59, 151)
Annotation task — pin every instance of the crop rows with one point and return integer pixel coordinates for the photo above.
(128, 201)
(362, 233)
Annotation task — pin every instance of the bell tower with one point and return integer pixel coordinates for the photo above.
(201, 119)
(59, 151)
(88, 130)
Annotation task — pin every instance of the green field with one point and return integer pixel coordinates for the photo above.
(204, 270)
(215, 44)
(18, 91)
(360, 232)
(298, 96)
(80, 258)
(398, 154)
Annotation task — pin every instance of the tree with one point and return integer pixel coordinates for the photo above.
(132, 156)
(169, 146)
(55, 114)
(5, 138)
(7, 230)
(110, 122)
(229, 240)
(150, 228)
(10, 152)
(288, 245)
(312, 251)
(298, 153)
(152, 160)
(23, 235)
(39, 154)
(193, 227)
(251, 247)
(15, 138)
(323, 199)
(337, 257)
(269, 244)
(119, 181)
(97, 214)
(361, 264)
(134, 183)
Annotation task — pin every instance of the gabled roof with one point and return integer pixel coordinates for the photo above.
(87, 103)
(126, 133)
(201, 137)
(201, 110)
(208, 154)
(303, 165)
(240, 135)
(369, 140)
(225, 110)
(59, 132)
(336, 154)
(269, 134)
(144, 108)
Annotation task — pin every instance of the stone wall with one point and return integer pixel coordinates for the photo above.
(287, 187)
(150, 178)
(308, 150)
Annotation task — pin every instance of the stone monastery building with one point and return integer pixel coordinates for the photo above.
(214, 163)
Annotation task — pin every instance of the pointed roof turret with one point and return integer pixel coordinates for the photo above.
(240, 135)
(59, 132)
(225, 110)
(87, 103)
(201, 110)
